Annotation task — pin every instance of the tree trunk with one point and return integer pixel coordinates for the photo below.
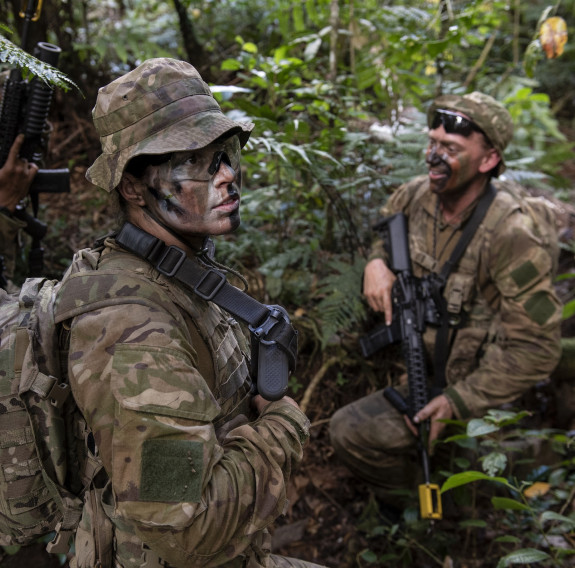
(193, 48)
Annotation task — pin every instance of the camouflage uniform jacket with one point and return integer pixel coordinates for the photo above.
(501, 290)
(9, 245)
(161, 377)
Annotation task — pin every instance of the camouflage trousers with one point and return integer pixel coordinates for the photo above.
(371, 438)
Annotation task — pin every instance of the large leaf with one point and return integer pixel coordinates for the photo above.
(479, 427)
(509, 504)
(523, 556)
(469, 477)
(552, 516)
(31, 66)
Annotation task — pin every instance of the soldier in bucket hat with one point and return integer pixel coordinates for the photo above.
(499, 298)
(195, 467)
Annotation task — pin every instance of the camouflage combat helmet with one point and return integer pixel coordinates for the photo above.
(161, 106)
(487, 113)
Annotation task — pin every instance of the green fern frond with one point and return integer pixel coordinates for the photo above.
(341, 305)
(33, 67)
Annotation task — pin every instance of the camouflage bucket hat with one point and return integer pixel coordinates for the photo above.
(162, 106)
(487, 113)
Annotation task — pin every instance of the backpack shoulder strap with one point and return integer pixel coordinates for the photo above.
(469, 231)
(441, 338)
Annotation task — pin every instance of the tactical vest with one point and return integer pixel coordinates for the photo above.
(469, 294)
(113, 275)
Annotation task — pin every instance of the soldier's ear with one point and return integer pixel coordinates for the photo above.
(489, 161)
(132, 189)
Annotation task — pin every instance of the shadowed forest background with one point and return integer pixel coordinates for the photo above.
(338, 91)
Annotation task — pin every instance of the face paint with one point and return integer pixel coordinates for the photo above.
(190, 207)
(453, 161)
(201, 165)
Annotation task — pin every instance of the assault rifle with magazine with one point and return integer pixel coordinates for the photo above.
(413, 307)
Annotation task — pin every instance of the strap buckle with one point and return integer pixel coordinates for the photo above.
(273, 317)
(61, 542)
(171, 261)
(58, 393)
(215, 289)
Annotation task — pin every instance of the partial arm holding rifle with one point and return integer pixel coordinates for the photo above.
(412, 308)
(25, 108)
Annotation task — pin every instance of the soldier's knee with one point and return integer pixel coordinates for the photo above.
(338, 429)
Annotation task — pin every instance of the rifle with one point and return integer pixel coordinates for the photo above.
(413, 307)
(24, 109)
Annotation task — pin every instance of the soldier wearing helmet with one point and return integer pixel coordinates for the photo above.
(195, 467)
(504, 315)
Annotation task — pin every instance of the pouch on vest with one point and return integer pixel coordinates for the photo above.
(40, 490)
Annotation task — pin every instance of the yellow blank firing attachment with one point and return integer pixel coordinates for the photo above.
(430, 501)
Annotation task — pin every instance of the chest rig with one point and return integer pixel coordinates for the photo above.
(273, 338)
(448, 294)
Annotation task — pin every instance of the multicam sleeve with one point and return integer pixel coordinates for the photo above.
(193, 499)
(526, 341)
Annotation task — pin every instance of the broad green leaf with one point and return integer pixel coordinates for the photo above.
(469, 477)
(565, 276)
(250, 47)
(508, 538)
(479, 427)
(231, 65)
(523, 556)
(473, 523)
(508, 504)
(551, 516)
(462, 463)
(494, 463)
(568, 309)
(369, 556)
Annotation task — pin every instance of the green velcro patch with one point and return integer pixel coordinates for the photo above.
(172, 471)
(540, 307)
(524, 274)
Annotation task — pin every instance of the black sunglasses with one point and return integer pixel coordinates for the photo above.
(454, 123)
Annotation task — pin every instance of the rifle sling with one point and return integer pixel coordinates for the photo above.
(208, 283)
(441, 339)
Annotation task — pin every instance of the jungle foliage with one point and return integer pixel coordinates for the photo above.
(338, 91)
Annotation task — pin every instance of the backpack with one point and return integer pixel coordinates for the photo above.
(544, 215)
(45, 465)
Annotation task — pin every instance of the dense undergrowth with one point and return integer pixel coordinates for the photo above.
(338, 93)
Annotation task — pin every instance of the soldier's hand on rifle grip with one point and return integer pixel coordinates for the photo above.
(16, 177)
(436, 409)
(260, 402)
(378, 281)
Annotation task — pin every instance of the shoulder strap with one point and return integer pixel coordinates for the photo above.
(469, 231)
(441, 339)
(269, 324)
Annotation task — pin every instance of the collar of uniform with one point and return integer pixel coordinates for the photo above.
(429, 203)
